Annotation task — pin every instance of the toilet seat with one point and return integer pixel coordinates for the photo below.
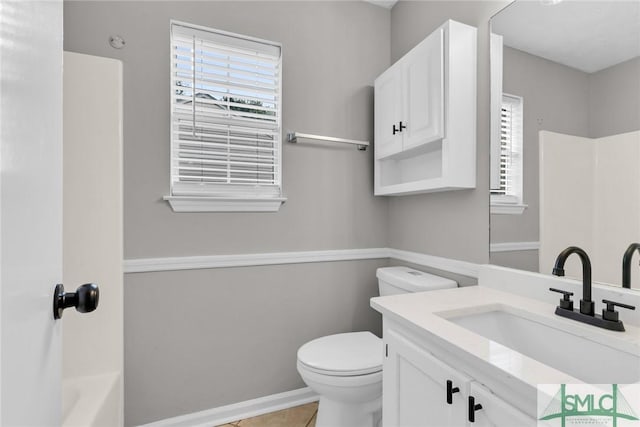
(349, 354)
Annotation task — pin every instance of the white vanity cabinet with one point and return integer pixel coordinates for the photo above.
(416, 393)
(415, 387)
(425, 115)
(496, 412)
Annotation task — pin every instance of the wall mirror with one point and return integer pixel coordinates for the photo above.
(565, 135)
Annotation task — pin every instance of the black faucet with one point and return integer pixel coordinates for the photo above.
(586, 305)
(626, 264)
(609, 319)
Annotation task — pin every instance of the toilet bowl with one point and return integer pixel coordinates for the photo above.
(346, 369)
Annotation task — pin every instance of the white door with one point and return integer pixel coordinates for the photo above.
(423, 77)
(388, 112)
(415, 392)
(30, 211)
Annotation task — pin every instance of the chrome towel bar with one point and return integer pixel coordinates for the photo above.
(293, 137)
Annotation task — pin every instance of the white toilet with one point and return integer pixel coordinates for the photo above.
(346, 369)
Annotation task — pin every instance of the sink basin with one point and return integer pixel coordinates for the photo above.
(575, 355)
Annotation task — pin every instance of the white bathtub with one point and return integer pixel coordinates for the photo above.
(93, 401)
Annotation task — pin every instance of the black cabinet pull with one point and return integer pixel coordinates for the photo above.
(450, 390)
(473, 407)
(399, 128)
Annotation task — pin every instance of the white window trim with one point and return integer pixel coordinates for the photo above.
(224, 204)
(501, 204)
(233, 201)
(508, 208)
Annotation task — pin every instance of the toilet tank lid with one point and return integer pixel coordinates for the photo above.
(413, 280)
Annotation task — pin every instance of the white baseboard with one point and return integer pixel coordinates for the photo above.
(240, 411)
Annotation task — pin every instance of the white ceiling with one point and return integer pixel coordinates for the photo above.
(587, 35)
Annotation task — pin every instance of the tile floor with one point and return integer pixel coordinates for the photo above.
(300, 416)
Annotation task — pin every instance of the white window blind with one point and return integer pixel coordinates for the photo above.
(510, 166)
(225, 114)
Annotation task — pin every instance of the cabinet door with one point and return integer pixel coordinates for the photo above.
(423, 78)
(415, 387)
(387, 106)
(496, 412)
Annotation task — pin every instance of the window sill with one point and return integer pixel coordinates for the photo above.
(224, 204)
(507, 208)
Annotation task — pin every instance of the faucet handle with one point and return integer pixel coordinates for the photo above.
(565, 302)
(610, 312)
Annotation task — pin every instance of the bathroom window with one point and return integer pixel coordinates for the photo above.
(508, 198)
(225, 121)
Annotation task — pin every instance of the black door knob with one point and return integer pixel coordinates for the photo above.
(84, 299)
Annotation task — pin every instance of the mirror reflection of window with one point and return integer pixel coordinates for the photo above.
(509, 189)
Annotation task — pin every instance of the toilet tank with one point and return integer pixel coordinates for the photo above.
(402, 280)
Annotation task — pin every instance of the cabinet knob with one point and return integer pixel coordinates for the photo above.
(473, 407)
(84, 299)
(450, 390)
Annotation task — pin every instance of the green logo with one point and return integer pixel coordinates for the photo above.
(584, 407)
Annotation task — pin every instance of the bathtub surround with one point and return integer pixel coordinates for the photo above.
(590, 210)
(202, 351)
(92, 344)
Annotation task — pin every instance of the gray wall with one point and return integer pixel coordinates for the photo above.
(195, 340)
(614, 95)
(200, 339)
(451, 224)
(521, 260)
(332, 52)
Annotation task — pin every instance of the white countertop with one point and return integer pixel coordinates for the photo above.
(427, 312)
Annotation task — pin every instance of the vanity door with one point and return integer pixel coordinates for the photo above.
(496, 412)
(415, 389)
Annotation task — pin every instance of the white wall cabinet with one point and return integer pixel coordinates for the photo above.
(416, 390)
(425, 116)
